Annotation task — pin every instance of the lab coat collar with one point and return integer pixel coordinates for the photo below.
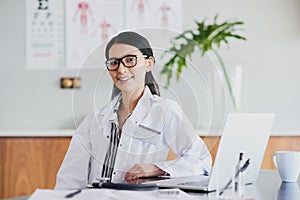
(141, 110)
(110, 112)
(115, 104)
(143, 106)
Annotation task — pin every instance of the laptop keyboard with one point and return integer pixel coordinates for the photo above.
(200, 183)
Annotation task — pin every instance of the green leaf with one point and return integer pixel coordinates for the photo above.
(181, 63)
(207, 38)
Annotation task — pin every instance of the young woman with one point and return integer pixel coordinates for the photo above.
(131, 136)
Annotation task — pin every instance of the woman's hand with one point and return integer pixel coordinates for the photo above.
(143, 170)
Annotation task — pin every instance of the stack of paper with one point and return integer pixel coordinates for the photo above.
(111, 194)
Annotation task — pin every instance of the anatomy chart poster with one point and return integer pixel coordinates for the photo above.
(44, 34)
(64, 33)
(165, 14)
(89, 24)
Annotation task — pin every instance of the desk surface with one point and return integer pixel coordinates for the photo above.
(268, 187)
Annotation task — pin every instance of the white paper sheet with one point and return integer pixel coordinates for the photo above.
(92, 194)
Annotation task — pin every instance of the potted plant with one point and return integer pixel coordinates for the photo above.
(208, 38)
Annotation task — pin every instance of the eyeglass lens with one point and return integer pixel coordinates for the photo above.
(128, 61)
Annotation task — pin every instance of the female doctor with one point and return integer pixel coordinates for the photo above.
(131, 136)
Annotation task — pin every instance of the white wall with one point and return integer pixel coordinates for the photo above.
(271, 53)
(33, 99)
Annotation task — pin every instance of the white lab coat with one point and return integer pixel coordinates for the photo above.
(155, 126)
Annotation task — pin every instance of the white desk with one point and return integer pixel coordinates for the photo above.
(268, 187)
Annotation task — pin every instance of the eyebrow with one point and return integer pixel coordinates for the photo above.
(121, 56)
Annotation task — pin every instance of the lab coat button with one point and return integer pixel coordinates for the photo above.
(114, 173)
(107, 136)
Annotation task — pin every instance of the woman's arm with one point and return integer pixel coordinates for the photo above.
(193, 157)
(143, 170)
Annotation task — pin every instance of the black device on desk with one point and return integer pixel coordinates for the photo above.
(125, 186)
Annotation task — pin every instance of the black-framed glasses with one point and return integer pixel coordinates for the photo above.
(128, 61)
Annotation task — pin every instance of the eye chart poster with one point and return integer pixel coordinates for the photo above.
(44, 34)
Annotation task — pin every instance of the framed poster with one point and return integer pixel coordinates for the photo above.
(89, 24)
(165, 14)
(44, 41)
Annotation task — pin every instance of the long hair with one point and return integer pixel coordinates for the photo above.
(141, 43)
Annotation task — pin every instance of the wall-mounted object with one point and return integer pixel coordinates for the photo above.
(70, 82)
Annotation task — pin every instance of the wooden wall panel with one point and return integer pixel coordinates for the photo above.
(29, 163)
(212, 144)
(279, 143)
(276, 143)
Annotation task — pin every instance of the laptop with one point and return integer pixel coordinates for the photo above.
(243, 132)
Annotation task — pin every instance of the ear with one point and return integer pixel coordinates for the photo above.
(150, 64)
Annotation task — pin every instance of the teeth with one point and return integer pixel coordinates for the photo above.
(124, 78)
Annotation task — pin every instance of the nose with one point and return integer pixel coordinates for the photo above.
(122, 69)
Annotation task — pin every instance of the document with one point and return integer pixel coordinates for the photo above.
(92, 194)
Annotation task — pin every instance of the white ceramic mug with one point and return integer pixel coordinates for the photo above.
(287, 164)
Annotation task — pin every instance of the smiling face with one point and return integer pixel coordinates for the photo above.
(129, 80)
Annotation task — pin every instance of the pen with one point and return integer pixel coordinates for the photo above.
(238, 167)
(240, 160)
(243, 168)
(73, 193)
